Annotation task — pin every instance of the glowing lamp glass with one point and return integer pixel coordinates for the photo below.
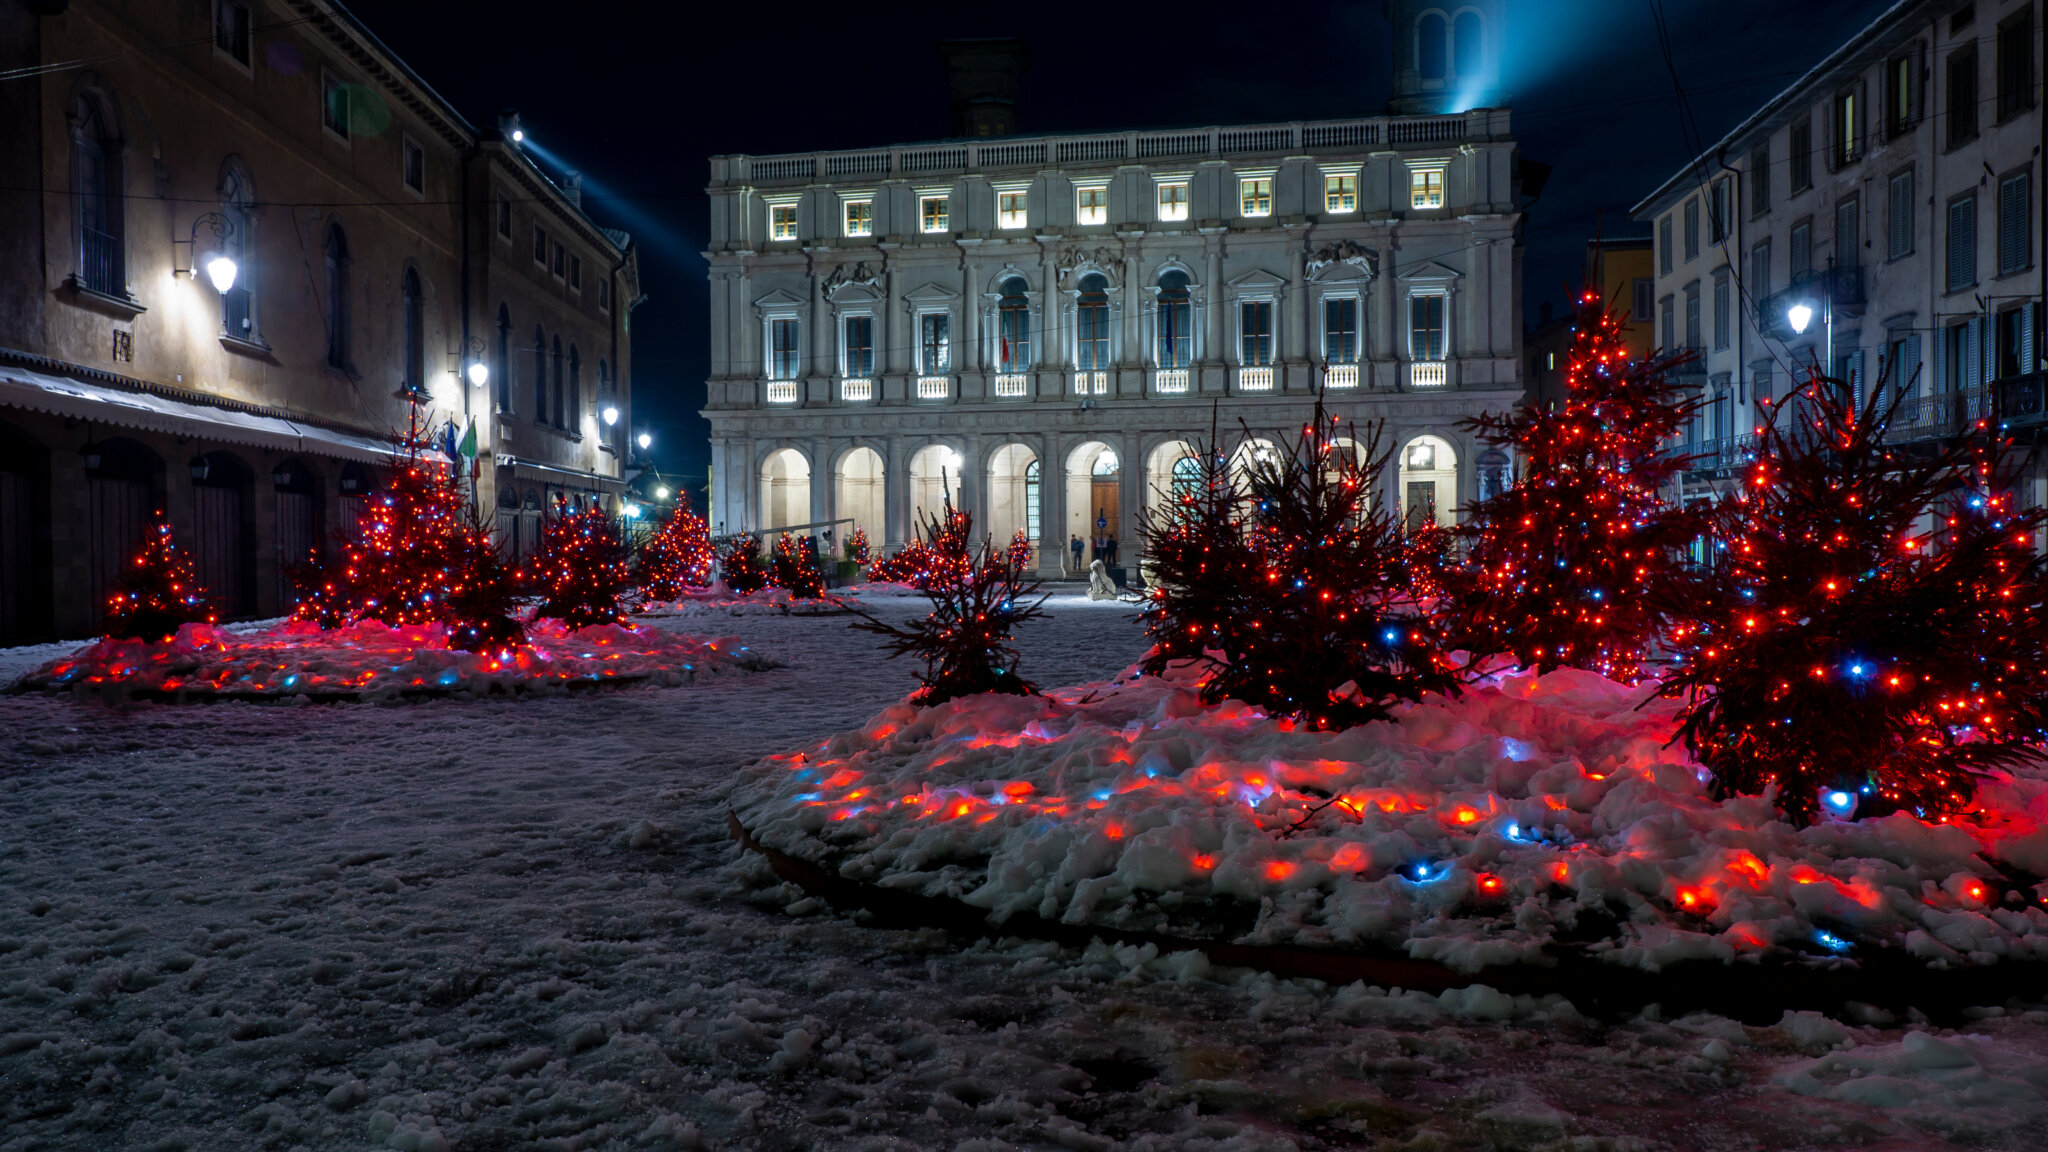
(479, 374)
(611, 414)
(1799, 316)
(221, 271)
(646, 441)
(661, 493)
(518, 136)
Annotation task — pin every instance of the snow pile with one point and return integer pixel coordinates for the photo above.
(718, 600)
(880, 588)
(1968, 1087)
(373, 661)
(1532, 810)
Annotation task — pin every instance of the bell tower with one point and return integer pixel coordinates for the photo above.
(1446, 55)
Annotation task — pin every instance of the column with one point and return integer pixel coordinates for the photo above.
(895, 494)
(1052, 509)
(1055, 332)
(714, 504)
(823, 341)
(974, 483)
(1294, 338)
(1131, 495)
(967, 350)
(1212, 307)
(821, 481)
(750, 485)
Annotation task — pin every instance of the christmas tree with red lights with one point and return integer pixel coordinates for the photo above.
(580, 569)
(1875, 633)
(1284, 582)
(483, 601)
(158, 590)
(1020, 551)
(796, 567)
(967, 641)
(741, 567)
(677, 557)
(1580, 563)
(857, 546)
(940, 554)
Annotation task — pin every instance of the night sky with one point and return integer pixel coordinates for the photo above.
(638, 96)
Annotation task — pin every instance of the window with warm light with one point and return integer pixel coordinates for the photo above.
(1091, 204)
(1255, 196)
(935, 213)
(782, 221)
(1010, 209)
(860, 217)
(1255, 324)
(1426, 325)
(1340, 193)
(1340, 330)
(1173, 200)
(1426, 187)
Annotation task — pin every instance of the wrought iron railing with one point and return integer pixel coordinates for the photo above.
(100, 264)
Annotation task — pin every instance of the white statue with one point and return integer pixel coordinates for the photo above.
(1100, 586)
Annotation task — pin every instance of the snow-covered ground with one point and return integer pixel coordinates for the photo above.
(499, 924)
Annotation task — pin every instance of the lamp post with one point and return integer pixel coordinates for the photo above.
(219, 266)
(1800, 316)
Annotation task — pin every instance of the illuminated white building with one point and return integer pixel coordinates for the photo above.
(1041, 326)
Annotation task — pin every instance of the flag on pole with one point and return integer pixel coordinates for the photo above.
(468, 445)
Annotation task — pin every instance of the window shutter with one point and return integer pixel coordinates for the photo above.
(2012, 224)
(2027, 337)
(1899, 216)
(1856, 377)
(1911, 371)
(1848, 243)
(1962, 243)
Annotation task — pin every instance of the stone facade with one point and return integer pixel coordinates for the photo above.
(1042, 325)
(363, 215)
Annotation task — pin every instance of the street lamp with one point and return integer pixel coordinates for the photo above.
(646, 441)
(1799, 317)
(220, 267)
(610, 414)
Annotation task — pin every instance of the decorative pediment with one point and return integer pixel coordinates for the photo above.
(1073, 258)
(1430, 272)
(1343, 260)
(862, 281)
(930, 292)
(1257, 280)
(779, 300)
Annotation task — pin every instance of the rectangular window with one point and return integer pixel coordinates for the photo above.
(1255, 318)
(1723, 312)
(1091, 205)
(1693, 334)
(1340, 330)
(1800, 155)
(1255, 196)
(1173, 200)
(1847, 127)
(1898, 230)
(504, 217)
(2016, 64)
(860, 346)
(1718, 211)
(1425, 187)
(2015, 351)
(782, 349)
(1010, 209)
(860, 217)
(1426, 326)
(575, 272)
(540, 247)
(1667, 322)
(1962, 95)
(2015, 229)
(560, 264)
(231, 29)
(935, 213)
(1959, 366)
(604, 294)
(1340, 193)
(1848, 233)
(1898, 96)
(782, 221)
(1760, 179)
(1644, 303)
(1962, 243)
(333, 105)
(1692, 230)
(934, 344)
(1760, 270)
(413, 165)
(1802, 248)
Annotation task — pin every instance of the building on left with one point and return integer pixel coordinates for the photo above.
(246, 239)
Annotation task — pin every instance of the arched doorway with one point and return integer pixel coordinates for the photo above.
(25, 608)
(1095, 497)
(1013, 494)
(124, 484)
(934, 479)
(298, 526)
(860, 492)
(785, 492)
(1173, 470)
(1496, 473)
(223, 537)
(1429, 483)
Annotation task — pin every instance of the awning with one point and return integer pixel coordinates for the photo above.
(120, 408)
(560, 477)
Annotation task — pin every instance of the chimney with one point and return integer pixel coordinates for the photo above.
(983, 78)
(572, 187)
(509, 126)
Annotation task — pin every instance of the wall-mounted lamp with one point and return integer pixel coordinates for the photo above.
(646, 441)
(220, 268)
(610, 414)
(200, 468)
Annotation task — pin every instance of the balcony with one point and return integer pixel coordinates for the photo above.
(934, 387)
(782, 392)
(1255, 379)
(1842, 285)
(857, 389)
(1170, 381)
(1340, 376)
(1692, 373)
(1091, 383)
(1424, 375)
(1010, 385)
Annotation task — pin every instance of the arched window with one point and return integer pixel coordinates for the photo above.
(606, 434)
(1430, 50)
(575, 421)
(503, 367)
(540, 376)
(1013, 327)
(556, 374)
(415, 334)
(1034, 502)
(337, 298)
(1187, 478)
(98, 172)
(1091, 323)
(238, 205)
(1468, 45)
(1176, 321)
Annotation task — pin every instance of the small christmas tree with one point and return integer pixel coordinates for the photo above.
(938, 556)
(740, 564)
(157, 591)
(1876, 632)
(967, 640)
(579, 570)
(1020, 551)
(483, 603)
(796, 568)
(1289, 586)
(677, 557)
(857, 546)
(1580, 562)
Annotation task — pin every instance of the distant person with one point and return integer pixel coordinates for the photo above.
(1109, 542)
(1076, 547)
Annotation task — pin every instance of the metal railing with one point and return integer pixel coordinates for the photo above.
(100, 264)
